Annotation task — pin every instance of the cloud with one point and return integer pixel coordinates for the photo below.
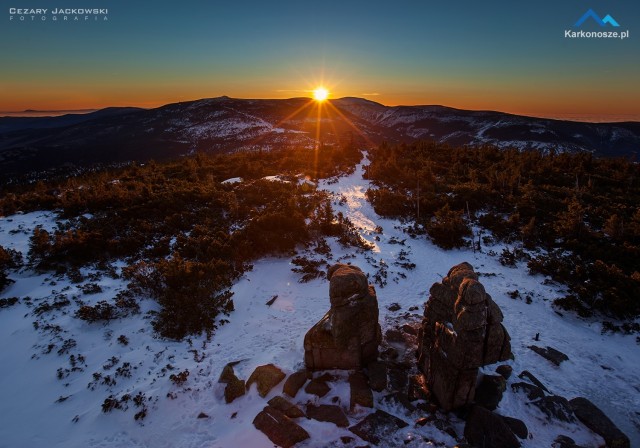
(370, 94)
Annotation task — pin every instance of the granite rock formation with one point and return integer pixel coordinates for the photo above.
(461, 331)
(347, 337)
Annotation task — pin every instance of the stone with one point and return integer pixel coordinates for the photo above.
(563, 441)
(317, 386)
(328, 413)
(529, 376)
(518, 427)
(551, 354)
(377, 372)
(505, 371)
(399, 398)
(489, 391)
(486, 429)
(279, 428)
(266, 377)
(398, 376)
(461, 331)
(393, 335)
(417, 388)
(286, 407)
(378, 426)
(295, 382)
(394, 307)
(532, 392)
(409, 329)
(360, 391)
(596, 420)
(235, 387)
(202, 415)
(348, 336)
(556, 408)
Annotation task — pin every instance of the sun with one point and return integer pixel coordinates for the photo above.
(320, 94)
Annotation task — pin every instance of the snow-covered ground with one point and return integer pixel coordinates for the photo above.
(35, 412)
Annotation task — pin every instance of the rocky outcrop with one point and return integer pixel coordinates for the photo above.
(484, 428)
(235, 387)
(377, 426)
(461, 331)
(347, 337)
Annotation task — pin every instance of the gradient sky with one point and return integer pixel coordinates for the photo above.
(499, 55)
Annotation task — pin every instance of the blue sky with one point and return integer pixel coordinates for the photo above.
(510, 56)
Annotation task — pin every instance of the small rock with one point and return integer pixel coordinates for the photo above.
(398, 377)
(202, 415)
(317, 387)
(286, 407)
(532, 392)
(417, 388)
(596, 420)
(360, 391)
(484, 428)
(401, 399)
(424, 420)
(414, 308)
(390, 354)
(556, 407)
(234, 415)
(489, 391)
(378, 426)
(409, 329)
(279, 428)
(295, 382)
(529, 376)
(328, 413)
(377, 375)
(394, 307)
(394, 336)
(553, 355)
(266, 377)
(504, 370)
(346, 440)
(518, 427)
(235, 387)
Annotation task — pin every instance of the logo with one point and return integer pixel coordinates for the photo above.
(592, 15)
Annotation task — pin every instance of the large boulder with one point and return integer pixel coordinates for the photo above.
(347, 337)
(461, 331)
(596, 420)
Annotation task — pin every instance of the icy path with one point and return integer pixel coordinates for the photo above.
(601, 368)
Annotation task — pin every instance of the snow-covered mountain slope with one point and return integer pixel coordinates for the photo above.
(229, 124)
(50, 399)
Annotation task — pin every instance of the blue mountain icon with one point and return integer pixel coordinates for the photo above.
(602, 22)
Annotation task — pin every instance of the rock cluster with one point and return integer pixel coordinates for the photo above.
(347, 337)
(461, 331)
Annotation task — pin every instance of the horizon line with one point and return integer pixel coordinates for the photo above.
(566, 116)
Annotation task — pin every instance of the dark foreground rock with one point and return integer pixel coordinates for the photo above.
(328, 413)
(486, 429)
(596, 420)
(518, 427)
(279, 428)
(347, 337)
(489, 391)
(377, 426)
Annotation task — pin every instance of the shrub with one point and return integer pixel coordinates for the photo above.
(448, 229)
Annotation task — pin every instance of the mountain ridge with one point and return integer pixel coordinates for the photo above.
(224, 124)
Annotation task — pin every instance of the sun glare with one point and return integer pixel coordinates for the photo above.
(320, 94)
